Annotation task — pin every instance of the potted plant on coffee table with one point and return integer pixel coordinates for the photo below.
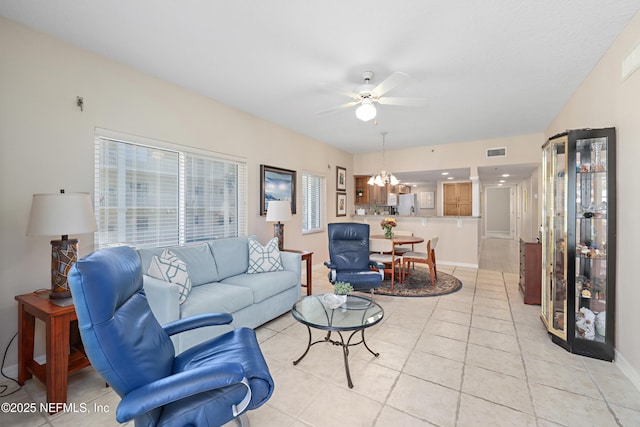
(339, 295)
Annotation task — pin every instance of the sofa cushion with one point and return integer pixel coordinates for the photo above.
(172, 269)
(231, 255)
(264, 285)
(216, 298)
(263, 259)
(200, 263)
(202, 267)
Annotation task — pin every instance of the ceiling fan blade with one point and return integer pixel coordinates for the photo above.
(390, 82)
(407, 102)
(331, 88)
(339, 107)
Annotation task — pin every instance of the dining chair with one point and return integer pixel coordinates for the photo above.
(400, 249)
(420, 258)
(383, 251)
(434, 243)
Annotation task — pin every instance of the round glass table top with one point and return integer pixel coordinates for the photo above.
(356, 313)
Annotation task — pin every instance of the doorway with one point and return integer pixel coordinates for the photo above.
(500, 212)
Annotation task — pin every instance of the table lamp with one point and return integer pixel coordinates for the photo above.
(279, 210)
(61, 214)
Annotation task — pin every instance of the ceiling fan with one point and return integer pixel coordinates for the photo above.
(367, 95)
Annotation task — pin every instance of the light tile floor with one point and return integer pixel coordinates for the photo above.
(478, 357)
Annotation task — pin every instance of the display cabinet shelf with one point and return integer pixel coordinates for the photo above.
(578, 241)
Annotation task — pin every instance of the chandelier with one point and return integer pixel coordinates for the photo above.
(383, 178)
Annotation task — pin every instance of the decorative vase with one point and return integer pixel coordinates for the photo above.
(388, 233)
(333, 301)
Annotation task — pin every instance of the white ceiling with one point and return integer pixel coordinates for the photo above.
(488, 68)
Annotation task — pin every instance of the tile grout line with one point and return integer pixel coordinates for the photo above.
(604, 398)
(401, 371)
(524, 365)
(466, 349)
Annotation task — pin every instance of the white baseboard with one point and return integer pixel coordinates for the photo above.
(12, 371)
(627, 370)
(457, 264)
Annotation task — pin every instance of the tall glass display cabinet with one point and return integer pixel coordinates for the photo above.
(579, 240)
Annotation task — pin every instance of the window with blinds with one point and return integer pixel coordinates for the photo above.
(148, 196)
(313, 190)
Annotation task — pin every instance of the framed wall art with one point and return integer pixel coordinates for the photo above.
(277, 184)
(341, 179)
(341, 204)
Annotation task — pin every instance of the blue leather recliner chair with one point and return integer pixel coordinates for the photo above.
(349, 257)
(206, 385)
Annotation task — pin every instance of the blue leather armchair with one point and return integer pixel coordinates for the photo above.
(349, 256)
(206, 385)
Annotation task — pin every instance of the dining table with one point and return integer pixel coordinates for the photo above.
(398, 240)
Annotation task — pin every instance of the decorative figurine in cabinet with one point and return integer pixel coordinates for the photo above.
(579, 240)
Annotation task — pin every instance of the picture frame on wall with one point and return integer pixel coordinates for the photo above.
(341, 204)
(341, 179)
(277, 184)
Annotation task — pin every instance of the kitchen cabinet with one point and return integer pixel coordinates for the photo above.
(361, 189)
(378, 195)
(579, 241)
(400, 189)
(457, 199)
(366, 194)
(530, 271)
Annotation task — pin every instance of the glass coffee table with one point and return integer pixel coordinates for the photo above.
(356, 315)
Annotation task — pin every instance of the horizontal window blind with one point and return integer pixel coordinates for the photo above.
(149, 196)
(212, 205)
(313, 189)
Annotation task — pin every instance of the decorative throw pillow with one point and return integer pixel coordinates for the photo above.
(264, 258)
(170, 268)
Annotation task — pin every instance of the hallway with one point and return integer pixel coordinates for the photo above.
(499, 255)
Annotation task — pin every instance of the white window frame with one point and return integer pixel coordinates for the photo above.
(321, 200)
(104, 239)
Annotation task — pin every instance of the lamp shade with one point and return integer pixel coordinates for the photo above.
(366, 111)
(61, 214)
(279, 210)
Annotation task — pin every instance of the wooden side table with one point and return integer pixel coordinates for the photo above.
(306, 256)
(65, 352)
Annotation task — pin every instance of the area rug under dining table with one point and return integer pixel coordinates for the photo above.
(418, 284)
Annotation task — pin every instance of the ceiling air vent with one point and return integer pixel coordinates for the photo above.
(497, 152)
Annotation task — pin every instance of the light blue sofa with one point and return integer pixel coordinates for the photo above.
(220, 283)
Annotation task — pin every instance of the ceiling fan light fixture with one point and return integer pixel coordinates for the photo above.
(366, 111)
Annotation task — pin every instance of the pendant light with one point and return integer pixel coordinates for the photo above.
(383, 178)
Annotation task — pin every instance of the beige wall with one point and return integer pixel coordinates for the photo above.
(604, 100)
(46, 143)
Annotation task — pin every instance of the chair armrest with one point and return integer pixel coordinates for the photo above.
(163, 298)
(199, 321)
(176, 387)
(332, 271)
(376, 264)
